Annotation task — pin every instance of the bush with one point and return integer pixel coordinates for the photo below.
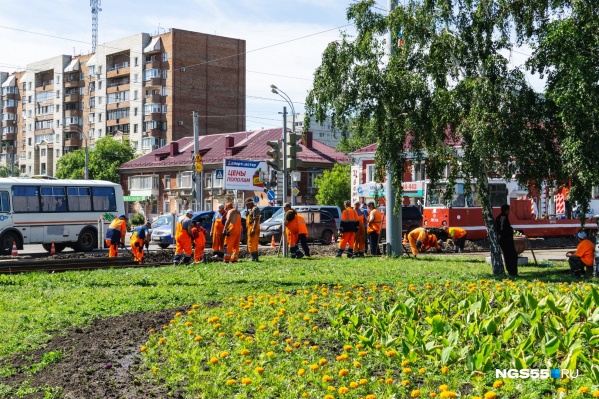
(138, 219)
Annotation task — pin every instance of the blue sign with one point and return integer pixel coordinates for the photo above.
(256, 200)
(271, 195)
(219, 174)
(360, 190)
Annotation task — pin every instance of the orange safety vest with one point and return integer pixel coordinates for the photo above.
(375, 221)
(302, 228)
(456, 233)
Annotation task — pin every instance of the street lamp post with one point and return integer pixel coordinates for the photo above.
(285, 97)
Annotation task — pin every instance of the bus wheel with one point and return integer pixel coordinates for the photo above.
(87, 241)
(6, 243)
(57, 247)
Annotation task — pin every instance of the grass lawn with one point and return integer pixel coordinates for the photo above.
(34, 306)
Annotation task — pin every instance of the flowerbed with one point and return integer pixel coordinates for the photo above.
(432, 340)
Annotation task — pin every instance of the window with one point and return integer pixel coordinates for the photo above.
(164, 107)
(135, 95)
(79, 199)
(100, 86)
(134, 111)
(151, 73)
(117, 114)
(369, 173)
(4, 201)
(117, 97)
(43, 152)
(419, 171)
(53, 198)
(26, 199)
(167, 207)
(24, 86)
(143, 182)
(135, 78)
(136, 61)
(135, 128)
(28, 85)
(104, 199)
(134, 145)
(152, 108)
(163, 126)
(165, 91)
(167, 182)
(164, 56)
(164, 74)
(312, 179)
(208, 180)
(100, 117)
(217, 183)
(99, 100)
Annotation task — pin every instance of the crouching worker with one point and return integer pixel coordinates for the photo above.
(416, 238)
(115, 235)
(199, 241)
(183, 238)
(581, 261)
(139, 238)
(458, 236)
(431, 243)
(291, 223)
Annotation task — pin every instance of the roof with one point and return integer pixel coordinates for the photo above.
(246, 145)
(154, 45)
(91, 61)
(73, 66)
(11, 81)
(368, 148)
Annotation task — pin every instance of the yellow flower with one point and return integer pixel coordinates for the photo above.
(583, 390)
(443, 388)
(161, 341)
(405, 382)
(347, 347)
(178, 314)
(342, 357)
(389, 381)
(343, 390)
(220, 334)
(314, 367)
(362, 353)
(444, 369)
(407, 370)
(314, 347)
(322, 362)
(359, 346)
(288, 349)
(245, 352)
(498, 384)
(296, 344)
(195, 306)
(246, 381)
(301, 372)
(262, 327)
(259, 370)
(449, 395)
(353, 385)
(421, 370)
(329, 397)
(343, 372)
(143, 348)
(363, 381)
(231, 382)
(370, 396)
(432, 394)
(391, 353)
(327, 378)
(270, 353)
(415, 393)
(188, 324)
(378, 346)
(489, 395)
(154, 369)
(596, 394)
(404, 363)
(315, 328)
(198, 338)
(357, 364)
(213, 360)
(331, 388)
(248, 361)
(224, 355)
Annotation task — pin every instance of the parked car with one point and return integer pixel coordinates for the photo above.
(163, 236)
(161, 221)
(320, 223)
(411, 218)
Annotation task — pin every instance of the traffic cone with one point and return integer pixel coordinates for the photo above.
(273, 244)
(405, 238)
(332, 238)
(14, 249)
(52, 249)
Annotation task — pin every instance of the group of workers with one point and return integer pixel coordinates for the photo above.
(358, 226)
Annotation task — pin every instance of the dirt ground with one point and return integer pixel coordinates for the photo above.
(103, 360)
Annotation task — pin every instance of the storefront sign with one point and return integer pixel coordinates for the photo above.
(243, 175)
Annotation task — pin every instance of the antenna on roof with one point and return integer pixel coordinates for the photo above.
(95, 5)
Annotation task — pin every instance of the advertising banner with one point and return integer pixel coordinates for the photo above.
(244, 175)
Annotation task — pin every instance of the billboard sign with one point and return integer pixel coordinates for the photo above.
(244, 175)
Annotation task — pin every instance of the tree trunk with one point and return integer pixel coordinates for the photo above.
(482, 184)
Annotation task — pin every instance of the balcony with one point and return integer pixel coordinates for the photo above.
(44, 117)
(9, 96)
(47, 130)
(45, 87)
(153, 98)
(154, 82)
(120, 121)
(153, 133)
(72, 128)
(71, 83)
(69, 142)
(155, 116)
(11, 110)
(9, 122)
(69, 98)
(117, 72)
(153, 64)
(71, 112)
(9, 136)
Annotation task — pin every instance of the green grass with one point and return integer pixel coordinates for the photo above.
(34, 306)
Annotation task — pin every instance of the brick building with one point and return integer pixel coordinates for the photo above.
(162, 181)
(141, 89)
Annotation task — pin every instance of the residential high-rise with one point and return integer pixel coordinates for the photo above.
(140, 89)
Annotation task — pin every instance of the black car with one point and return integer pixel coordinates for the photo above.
(411, 218)
(321, 226)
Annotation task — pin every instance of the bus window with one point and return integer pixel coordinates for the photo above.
(53, 199)
(498, 194)
(4, 201)
(104, 199)
(26, 199)
(79, 199)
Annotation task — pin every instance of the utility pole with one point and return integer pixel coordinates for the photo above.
(197, 184)
(283, 235)
(393, 223)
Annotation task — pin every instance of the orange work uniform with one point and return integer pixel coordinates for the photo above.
(292, 231)
(431, 242)
(115, 235)
(348, 234)
(302, 234)
(375, 223)
(360, 239)
(217, 234)
(416, 237)
(199, 240)
(138, 239)
(183, 241)
(233, 237)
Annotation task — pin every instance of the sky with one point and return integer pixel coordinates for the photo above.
(65, 27)
(44, 29)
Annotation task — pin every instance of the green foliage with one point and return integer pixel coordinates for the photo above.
(334, 186)
(103, 161)
(6, 172)
(138, 219)
(449, 83)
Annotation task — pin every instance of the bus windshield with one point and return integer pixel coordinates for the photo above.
(434, 196)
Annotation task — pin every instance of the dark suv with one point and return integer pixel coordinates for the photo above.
(411, 218)
(321, 226)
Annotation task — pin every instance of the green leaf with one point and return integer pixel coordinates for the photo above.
(446, 355)
(551, 346)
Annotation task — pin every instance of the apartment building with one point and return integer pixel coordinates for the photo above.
(324, 133)
(141, 89)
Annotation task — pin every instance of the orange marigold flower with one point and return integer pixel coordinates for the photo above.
(178, 314)
(405, 382)
(391, 353)
(262, 327)
(195, 306)
(343, 372)
(224, 355)
(245, 352)
(407, 370)
(198, 338)
(231, 382)
(378, 346)
(161, 341)
(404, 363)
(342, 357)
(270, 353)
(314, 347)
(296, 344)
(220, 334)
(246, 381)
(275, 333)
(288, 349)
(362, 353)
(347, 347)
(188, 324)
(443, 388)
(329, 397)
(389, 381)
(415, 393)
(353, 385)
(432, 394)
(444, 369)
(213, 360)
(487, 395)
(301, 372)
(583, 390)
(343, 390)
(370, 396)
(451, 395)
(322, 361)
(143, 348)
(363, 381)
(314, 367)
(498, 384)
(152, 331)
(327, 378)
(421, 370)
(357, 364)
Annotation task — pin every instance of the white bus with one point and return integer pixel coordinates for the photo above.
(66, 212)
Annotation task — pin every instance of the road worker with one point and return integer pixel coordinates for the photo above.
(416, 237)
(347, 229)
(458, 236)
(302, 233)
(139, 238)
(183, 239)
(252, 224)
(232, 233)
(374, 226)
(431, 242)
(115, 235)
(199, 241)
(217, 233)
(291, 223)
(360, 239)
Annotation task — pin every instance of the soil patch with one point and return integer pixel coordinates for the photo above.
(99, 361)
